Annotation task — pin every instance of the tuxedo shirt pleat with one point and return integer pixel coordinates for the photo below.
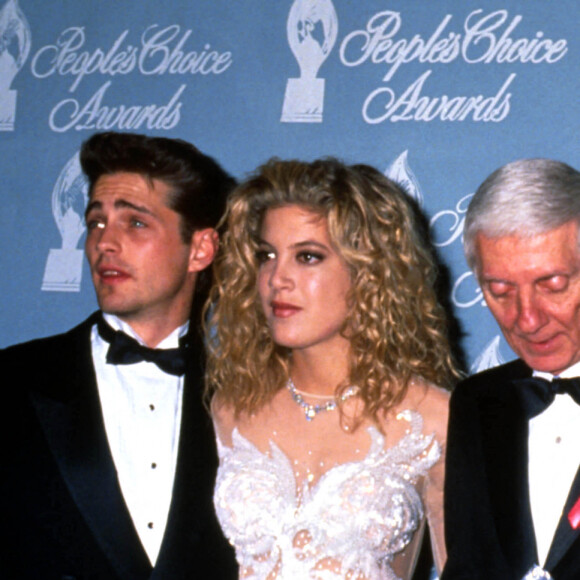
(142, 414)
(554, 457)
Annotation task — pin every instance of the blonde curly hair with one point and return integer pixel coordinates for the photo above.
(396, 327)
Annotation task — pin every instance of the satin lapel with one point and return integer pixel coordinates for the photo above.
(191, 506)
(74, 428)
(507, 450)
(565, 535)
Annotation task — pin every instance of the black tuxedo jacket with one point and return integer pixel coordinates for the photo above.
(488, 523)
(62, 514)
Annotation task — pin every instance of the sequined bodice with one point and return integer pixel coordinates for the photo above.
(348, 525)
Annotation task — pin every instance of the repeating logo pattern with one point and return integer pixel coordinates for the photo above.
(157, 51)
(479, 38)
(466, 292)
(489, 357)
(14, 48)
(400, 172)
(64, 266)
(312, 29)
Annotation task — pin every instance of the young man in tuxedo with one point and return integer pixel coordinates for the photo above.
(108, 453)
(512, 482)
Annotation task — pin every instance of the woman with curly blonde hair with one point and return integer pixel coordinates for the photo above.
(326, 343)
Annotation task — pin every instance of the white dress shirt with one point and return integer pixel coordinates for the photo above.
(554, 457)
(142, 414)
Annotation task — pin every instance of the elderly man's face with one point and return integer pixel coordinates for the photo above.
(532, 287)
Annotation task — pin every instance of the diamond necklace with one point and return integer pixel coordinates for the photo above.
(310, 411)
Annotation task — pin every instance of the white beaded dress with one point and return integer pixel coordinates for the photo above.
(349, 524)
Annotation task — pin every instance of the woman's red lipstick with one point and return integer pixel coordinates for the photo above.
(283, 309)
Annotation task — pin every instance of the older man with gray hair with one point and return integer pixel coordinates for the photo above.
(513, 484)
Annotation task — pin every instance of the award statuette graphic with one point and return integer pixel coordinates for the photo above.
(64, 266)
(312, 28)
(489, 357)
(401, 172)
(14, 48)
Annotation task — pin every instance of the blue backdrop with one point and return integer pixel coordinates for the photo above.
(435, 93)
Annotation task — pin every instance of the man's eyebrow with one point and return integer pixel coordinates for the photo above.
(119, 204)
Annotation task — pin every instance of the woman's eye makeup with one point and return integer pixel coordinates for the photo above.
(307, 257)
(263, 255)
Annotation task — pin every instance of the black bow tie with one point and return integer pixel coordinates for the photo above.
(124, 350)
(538, 394)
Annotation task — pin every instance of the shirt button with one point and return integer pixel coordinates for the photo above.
(153, 465)
(150, 525)
(558, 439)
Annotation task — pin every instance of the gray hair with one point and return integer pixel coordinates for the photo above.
(526, 197)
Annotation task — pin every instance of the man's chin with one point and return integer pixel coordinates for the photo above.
(552, 364)
(120, 310)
